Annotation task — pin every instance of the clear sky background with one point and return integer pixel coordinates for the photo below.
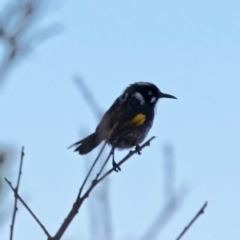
(190, 49)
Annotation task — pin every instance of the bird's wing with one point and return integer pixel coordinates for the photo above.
(109, 118)
(123, 115)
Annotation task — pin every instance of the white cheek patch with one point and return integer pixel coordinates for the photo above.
(153, 99)
(139, 96)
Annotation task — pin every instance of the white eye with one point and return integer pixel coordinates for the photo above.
(150, 93)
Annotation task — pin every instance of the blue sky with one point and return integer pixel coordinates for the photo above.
(189, 49)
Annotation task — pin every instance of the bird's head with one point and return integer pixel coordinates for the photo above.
(147, 93)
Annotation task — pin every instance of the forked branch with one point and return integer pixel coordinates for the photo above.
(17, 197)
(80, 199)
(77, 204)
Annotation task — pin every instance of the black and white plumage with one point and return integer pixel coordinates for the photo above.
(128, 120)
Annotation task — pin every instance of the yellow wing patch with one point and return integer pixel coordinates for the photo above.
(138, 120)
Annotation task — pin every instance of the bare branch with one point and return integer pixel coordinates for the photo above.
(99, 206)
(77, 204)
(104, 164)
(147, 143)
(15, 196)
(89, 172)
(201, 211)
(26, 206)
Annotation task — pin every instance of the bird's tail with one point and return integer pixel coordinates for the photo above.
(87, 144)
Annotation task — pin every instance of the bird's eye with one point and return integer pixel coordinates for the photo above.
(150, 93)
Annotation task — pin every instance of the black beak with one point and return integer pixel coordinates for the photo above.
(165, 95)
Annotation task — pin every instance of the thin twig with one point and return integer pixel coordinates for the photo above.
(29, 210)
(95, 182)
(15, 196)
(147, 143)
(104, 164)
(90, 170)
(201, 211)
(99, 206)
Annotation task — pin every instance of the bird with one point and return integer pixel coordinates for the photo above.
(127, 122)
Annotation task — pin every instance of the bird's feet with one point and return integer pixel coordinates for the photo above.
(138, 149)
(116, 167)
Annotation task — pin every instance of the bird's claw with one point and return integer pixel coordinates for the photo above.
(138, 149)
(116, 167)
